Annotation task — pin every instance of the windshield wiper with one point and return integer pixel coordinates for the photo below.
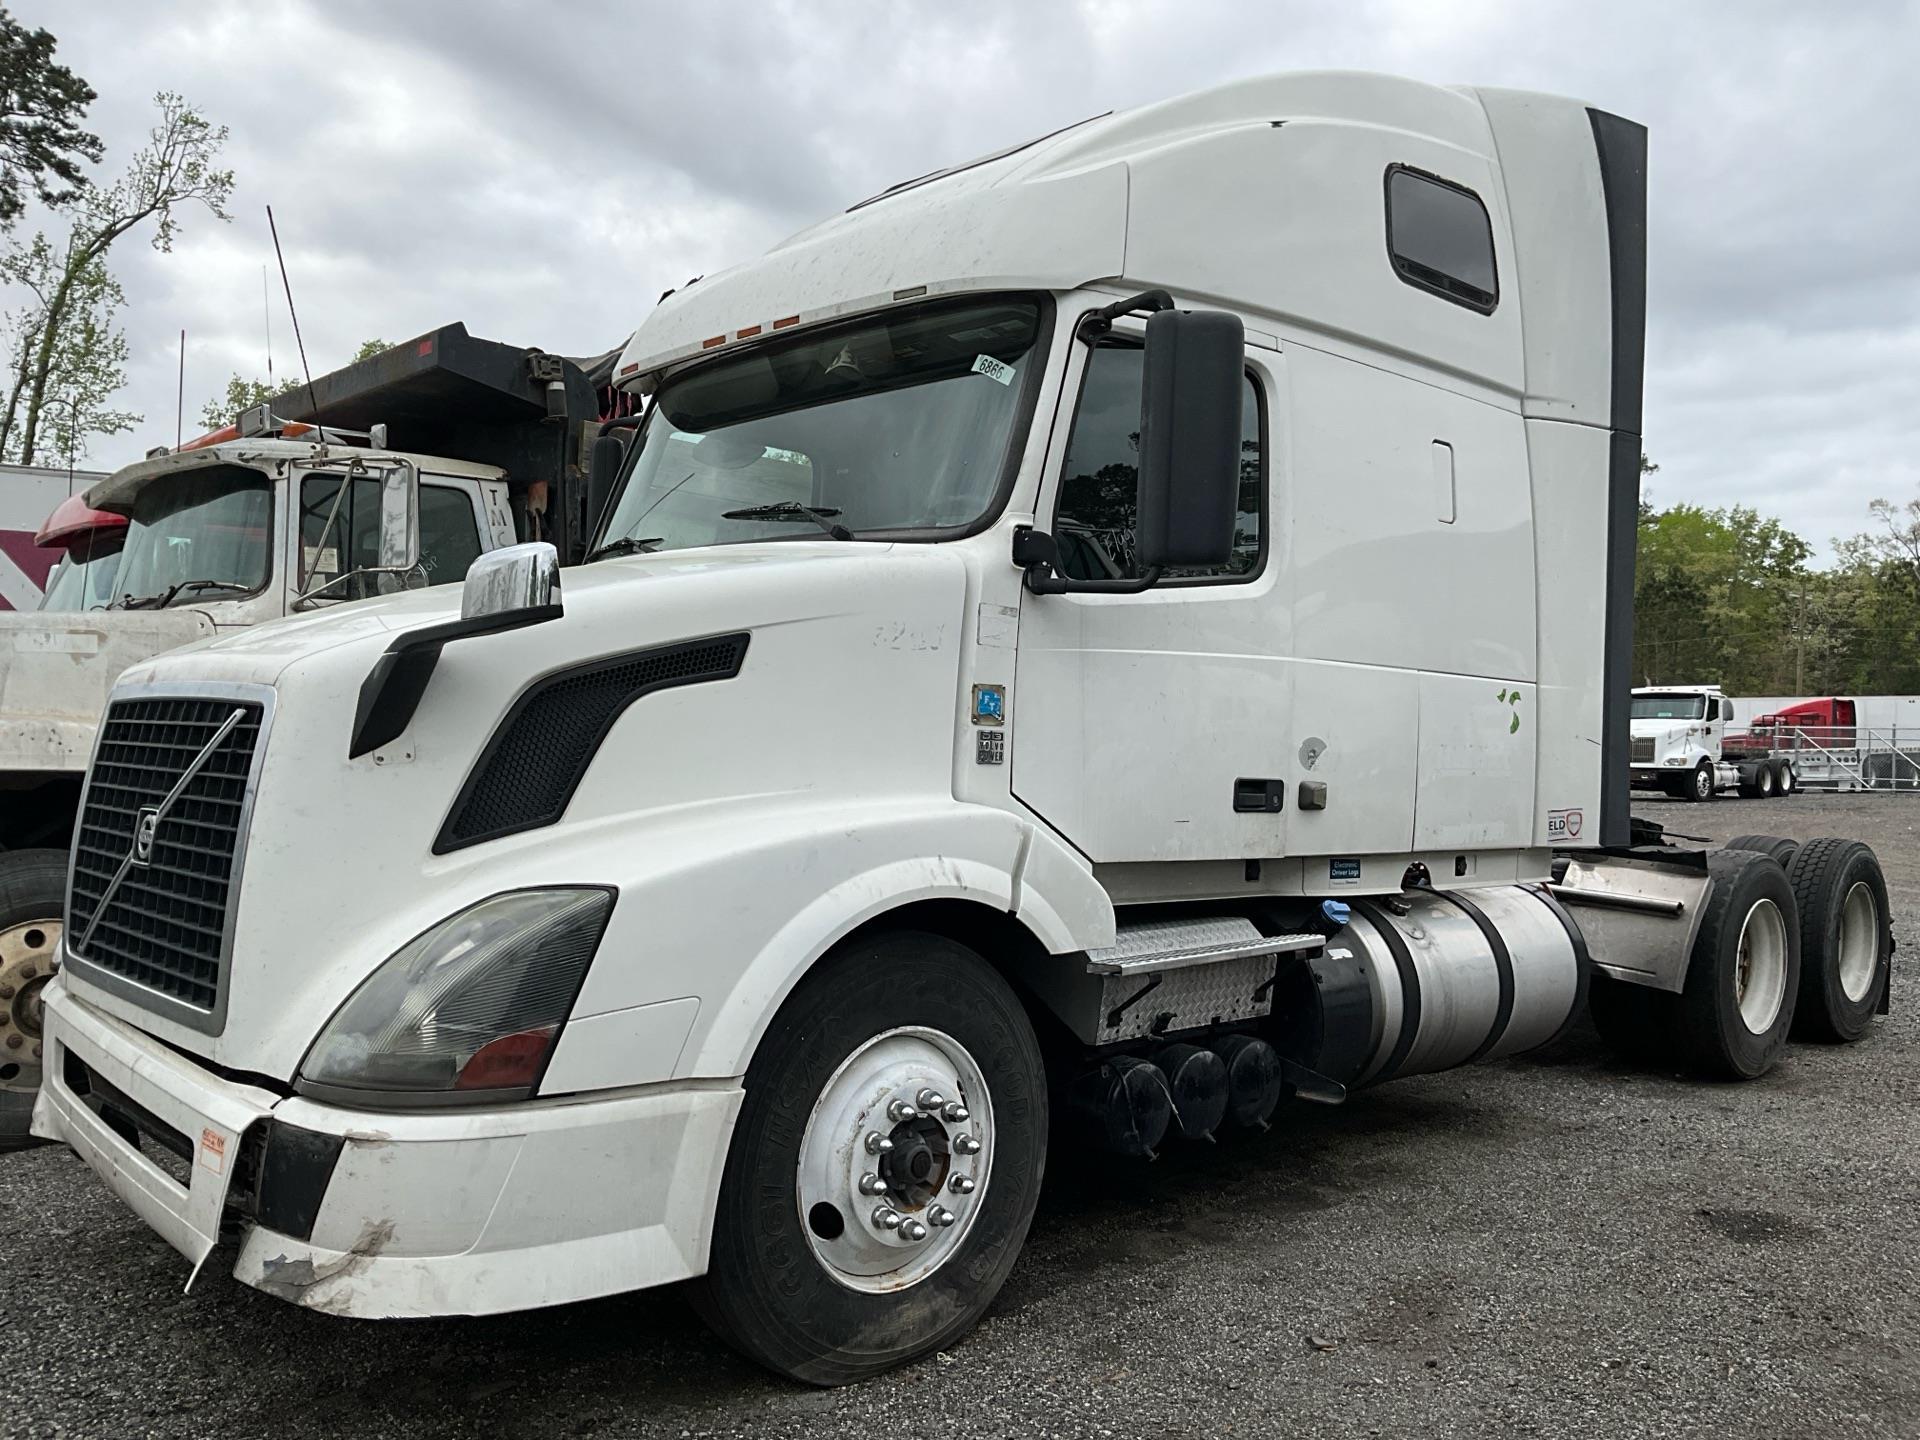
(821, 515)
(160, 601)
(627, 545)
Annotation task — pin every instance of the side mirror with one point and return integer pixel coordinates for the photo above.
(399, 518)
(1189, 486)
(517, 579)
(602, 468)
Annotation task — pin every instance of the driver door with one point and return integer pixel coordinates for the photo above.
(1151, 727)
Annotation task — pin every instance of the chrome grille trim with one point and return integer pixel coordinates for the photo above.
(1642, 750)
(173, 901)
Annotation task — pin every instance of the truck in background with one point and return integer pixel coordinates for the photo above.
(1685, 745)
(751, 911)
(431, 454)
(28, 494)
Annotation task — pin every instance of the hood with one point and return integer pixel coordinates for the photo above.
(342, 862)
(57, 669)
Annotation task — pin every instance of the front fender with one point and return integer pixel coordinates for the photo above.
(711, 933)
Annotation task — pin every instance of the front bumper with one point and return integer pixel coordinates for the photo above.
(449, 1212)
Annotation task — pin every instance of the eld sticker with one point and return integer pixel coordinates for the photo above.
(213, 1151)
(993, 369)
(1564, 825)
(990, 747)
(1343, 871)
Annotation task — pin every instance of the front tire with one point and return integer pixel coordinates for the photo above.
(832, 1261)
(33, 894)
(1846, 945)
(1700, 784)
(1743, 977)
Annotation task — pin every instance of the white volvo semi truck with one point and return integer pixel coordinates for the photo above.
(1096, 641)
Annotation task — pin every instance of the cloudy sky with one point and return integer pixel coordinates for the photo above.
(544, 171)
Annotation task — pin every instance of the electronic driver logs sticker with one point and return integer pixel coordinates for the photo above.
(1564, 825)
(993, 369)
(213, 1151)
(1343, 870)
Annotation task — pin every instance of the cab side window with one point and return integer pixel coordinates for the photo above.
(449, 534)
(1095, 518)
(341, 533)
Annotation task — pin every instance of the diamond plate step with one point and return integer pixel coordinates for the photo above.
(1179, 944)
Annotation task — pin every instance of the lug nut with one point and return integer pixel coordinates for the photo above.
(15, 1040)
(885, 1217)
(930, 1100)
(900, 1110)
(872, 1184)
(961, 1185)
(953, 1112)
(878, 1144)
(941, 1216)
(966, 1145)
(913, 1230)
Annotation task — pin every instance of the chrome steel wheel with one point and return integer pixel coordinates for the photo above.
(1760, 976)
(26, 965)
(895, 1160)
(1859, 940)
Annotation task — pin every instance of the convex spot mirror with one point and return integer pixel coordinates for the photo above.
(1190, 425)
(512, 580)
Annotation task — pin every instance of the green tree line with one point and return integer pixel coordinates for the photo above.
(1727, 597)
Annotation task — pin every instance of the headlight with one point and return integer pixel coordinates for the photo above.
(467, 1012)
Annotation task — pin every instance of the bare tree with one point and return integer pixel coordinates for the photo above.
(175, 169)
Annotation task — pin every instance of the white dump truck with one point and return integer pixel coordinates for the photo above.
(266, 518)
(1091, 643)
(1681, 746)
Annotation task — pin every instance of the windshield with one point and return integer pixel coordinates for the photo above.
(208, 525)
(1669, 707)
(900, 423)
(83, 580)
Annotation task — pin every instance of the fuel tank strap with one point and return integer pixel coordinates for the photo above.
(1503, 967)
(1409, 989)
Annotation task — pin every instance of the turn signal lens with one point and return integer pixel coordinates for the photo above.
(473, 1006)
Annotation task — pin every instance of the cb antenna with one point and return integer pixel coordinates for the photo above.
(266, 318)
(313, 401)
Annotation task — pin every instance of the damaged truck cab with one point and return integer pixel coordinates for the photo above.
(1100, 641)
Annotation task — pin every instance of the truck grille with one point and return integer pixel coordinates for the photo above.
(1642, 750)
(163, 925)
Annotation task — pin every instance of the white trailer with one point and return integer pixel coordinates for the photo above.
(1095, 641)
(28, 493)
(1679, 738)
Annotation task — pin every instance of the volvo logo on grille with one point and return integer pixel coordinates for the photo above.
(143, 833)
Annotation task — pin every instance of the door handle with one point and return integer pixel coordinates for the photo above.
(1259, 797)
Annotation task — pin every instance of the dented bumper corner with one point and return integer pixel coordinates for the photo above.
(447, 1212)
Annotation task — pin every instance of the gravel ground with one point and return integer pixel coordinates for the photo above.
(1557, 1246)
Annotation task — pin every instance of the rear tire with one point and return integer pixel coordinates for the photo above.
(1785, 782)
(1846, 943)
(798, 1277)
(1779, 847)
(33, 897)
(1743, 977)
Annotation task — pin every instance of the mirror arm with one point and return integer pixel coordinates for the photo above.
(1036, 553)
(1096, 323)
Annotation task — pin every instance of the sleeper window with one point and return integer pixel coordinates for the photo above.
(1441, 238)
(1095, 518)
